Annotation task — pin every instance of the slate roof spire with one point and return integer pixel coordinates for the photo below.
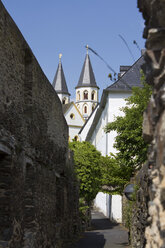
(87, 77)
(59, 82)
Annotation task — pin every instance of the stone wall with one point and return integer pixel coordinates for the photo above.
(147, 222)
(38, 188)
(154, 119)
(135, 213)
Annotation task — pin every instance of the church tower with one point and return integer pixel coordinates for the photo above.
(86, 89)
(59, 84)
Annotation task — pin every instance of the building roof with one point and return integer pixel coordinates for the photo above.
(124, 68)
(97, 114)
(131, 78)
(59, 82)
(87, 77)
(66, 107)
(88, 119)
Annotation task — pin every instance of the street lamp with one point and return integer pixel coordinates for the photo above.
(128, 191)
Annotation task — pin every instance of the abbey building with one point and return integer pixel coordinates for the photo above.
(87, 96)
(87, 117)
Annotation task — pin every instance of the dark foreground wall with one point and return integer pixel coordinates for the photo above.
(154, 120)
(38, 189)
(135, 213)
(148, 215)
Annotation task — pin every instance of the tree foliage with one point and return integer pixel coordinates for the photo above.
(110, 174)
(88, 169)
(131, 147)
(114, 176)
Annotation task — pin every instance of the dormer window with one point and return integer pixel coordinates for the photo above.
(85, 95)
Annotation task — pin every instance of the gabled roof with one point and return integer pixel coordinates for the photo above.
(59, 82)
(66, 107)
(87, 77)
(88, 119)
(129, 79)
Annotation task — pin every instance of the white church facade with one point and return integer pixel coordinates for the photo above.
(91, 117)
(112, 100)
(74, 120)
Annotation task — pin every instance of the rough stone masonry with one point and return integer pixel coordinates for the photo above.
(154, 118)
(38, 188)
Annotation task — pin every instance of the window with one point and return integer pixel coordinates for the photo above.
(93, 95)
(76, 138)
(85, 109)
(64, 100)
(78, 95)
(85, 95)
(93, 107)
(72, 116)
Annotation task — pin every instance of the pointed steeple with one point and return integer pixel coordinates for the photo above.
(87, 77)
(59, 82)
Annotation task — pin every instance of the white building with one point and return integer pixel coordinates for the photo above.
(113, 98)
(87, 118)
(74, 120)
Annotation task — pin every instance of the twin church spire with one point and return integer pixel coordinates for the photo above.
(59, 83)
(86, 89)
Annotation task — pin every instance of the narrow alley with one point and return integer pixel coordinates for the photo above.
(104, 234)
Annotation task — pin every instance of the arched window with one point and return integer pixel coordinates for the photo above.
(76, 138)
(78, 95)
(85, 95)
(85, 109)
(64, 100)
(93, 95)
(93, 107)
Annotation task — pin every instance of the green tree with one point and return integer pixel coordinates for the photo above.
(88, 169)
(131, 147)
(114, 176)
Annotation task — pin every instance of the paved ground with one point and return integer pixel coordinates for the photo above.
(104, 234)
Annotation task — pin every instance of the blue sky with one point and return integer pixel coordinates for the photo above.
(66, 26)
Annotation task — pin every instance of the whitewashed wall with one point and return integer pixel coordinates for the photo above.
(84, 132)
(102, 141)
(76, 123)
(89, 102)
(110, 206)
(116, 206)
